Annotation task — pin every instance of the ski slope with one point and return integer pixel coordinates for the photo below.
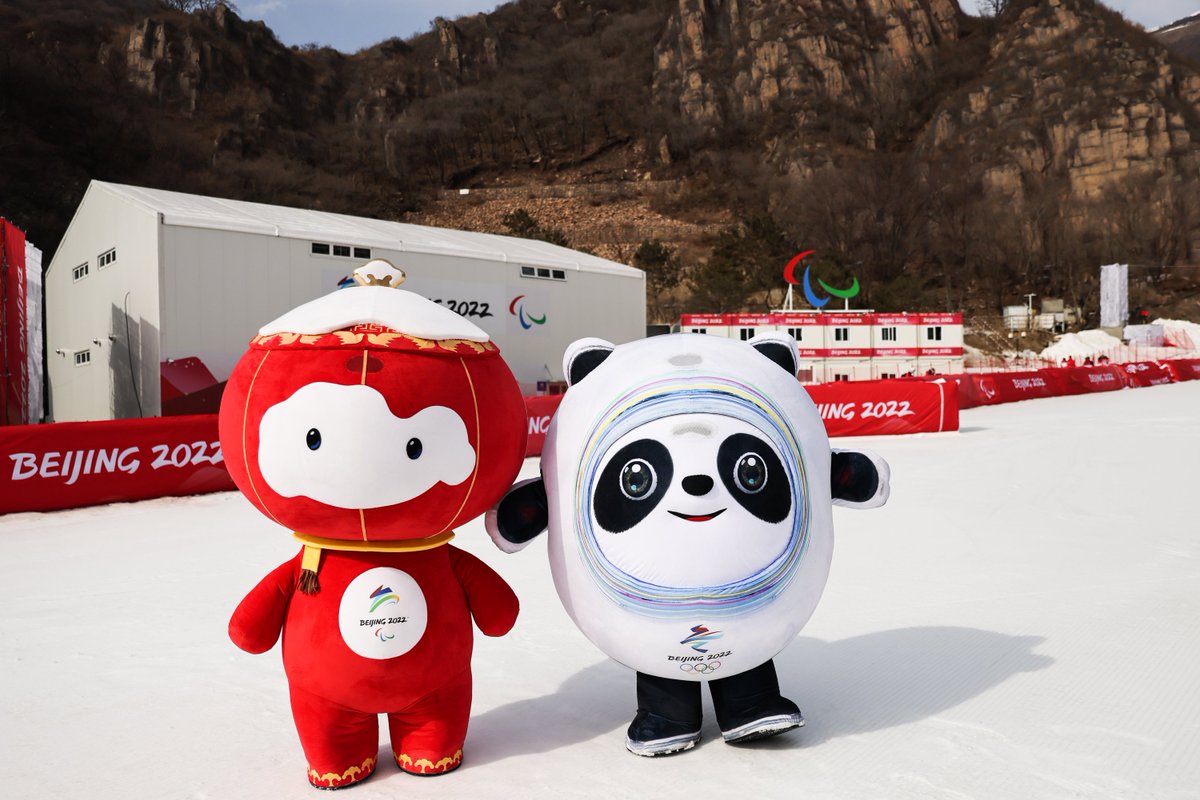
(1021, 621)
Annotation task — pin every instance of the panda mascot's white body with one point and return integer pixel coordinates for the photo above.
(686, 486)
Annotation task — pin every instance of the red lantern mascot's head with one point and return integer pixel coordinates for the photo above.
(370, 422)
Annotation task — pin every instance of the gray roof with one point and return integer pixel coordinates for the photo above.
(198, 211)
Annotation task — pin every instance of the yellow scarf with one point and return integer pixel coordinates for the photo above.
(310, 562)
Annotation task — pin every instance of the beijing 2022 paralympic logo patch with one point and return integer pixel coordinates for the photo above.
(383, 613)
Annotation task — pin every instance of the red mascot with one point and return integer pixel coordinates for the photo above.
(372, 421)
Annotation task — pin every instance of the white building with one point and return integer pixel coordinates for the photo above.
(851, 345)
(143, 276)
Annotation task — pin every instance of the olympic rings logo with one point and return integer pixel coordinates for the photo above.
(702, 668)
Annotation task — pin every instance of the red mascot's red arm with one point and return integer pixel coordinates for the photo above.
(258, 619)
(492, 602)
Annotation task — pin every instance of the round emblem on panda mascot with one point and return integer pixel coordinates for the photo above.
(683, 537)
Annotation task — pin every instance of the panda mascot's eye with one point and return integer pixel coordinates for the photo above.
(637, 479)
(414, 449)
(313, 439)
(745, 462)
(750, 474)
(631, 484)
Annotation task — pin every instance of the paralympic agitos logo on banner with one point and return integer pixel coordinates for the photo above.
(789, 274)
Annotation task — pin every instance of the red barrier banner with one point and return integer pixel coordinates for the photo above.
(1146, 373)
(74, 464)
(539, 410)
(869, 408)
(1085, 380)
(1184, 369)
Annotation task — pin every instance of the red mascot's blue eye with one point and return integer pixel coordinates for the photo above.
(313, 439)
(414, 449)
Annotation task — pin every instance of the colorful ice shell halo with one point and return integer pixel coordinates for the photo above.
(690, 522)
(372, 414)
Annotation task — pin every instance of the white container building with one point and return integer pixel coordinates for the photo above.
(143, 276)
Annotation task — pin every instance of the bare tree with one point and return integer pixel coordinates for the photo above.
(190, 6)
(992, 8)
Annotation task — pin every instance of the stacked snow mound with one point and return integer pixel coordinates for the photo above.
(1181, 340)
(1083, 344)
(1181, 334)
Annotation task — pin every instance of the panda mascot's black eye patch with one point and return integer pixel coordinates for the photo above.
(755, 477)
(632, 484)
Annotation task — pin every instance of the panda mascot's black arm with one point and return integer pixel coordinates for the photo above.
(519, 517)
(522, 513)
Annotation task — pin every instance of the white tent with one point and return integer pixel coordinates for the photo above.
(144, 275)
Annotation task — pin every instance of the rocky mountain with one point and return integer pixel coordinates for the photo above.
(943, 159)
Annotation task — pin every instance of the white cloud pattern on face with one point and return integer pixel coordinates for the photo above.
(363, 454)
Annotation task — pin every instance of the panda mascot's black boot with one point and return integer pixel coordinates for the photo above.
(668, 717)
(749, 706)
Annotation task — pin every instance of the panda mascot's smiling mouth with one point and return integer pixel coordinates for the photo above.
(698, 517)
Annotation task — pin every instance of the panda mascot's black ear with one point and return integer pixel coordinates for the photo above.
(859, 479)
(780, 348)
(519, 516)
(583, 356)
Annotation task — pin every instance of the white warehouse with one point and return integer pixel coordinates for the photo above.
(144, 277)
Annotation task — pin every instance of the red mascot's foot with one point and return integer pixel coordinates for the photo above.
(340, 780)
(421, 765)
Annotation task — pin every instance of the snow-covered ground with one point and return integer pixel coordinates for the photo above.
(1021, 621)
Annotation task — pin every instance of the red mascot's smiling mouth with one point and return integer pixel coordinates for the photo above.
(698, 517)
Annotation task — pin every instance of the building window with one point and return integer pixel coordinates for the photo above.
(888, 334)
(746, 333)
(887, 375)
(543, 272)
(320, 249)
(80, 272)
(83, 357)
(841, 334)
(362, 252)
(837, 376)
(699, 330)
(796, 333)
(934, 334)
(106, 258)
(341, 250)
(805, 374)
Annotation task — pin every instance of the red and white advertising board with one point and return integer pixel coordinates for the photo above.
(14, 356)
(538, 411)
(869, 408)
(1146, 373)
(1184, 369)
(73, 464)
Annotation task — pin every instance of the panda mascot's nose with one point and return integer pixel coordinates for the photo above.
(698, 485)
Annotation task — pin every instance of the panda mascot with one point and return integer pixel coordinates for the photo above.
(687, 485)
(371, 422)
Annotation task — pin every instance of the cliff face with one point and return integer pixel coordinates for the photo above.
(651, 109)
(754, 63)
(1070, 91)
